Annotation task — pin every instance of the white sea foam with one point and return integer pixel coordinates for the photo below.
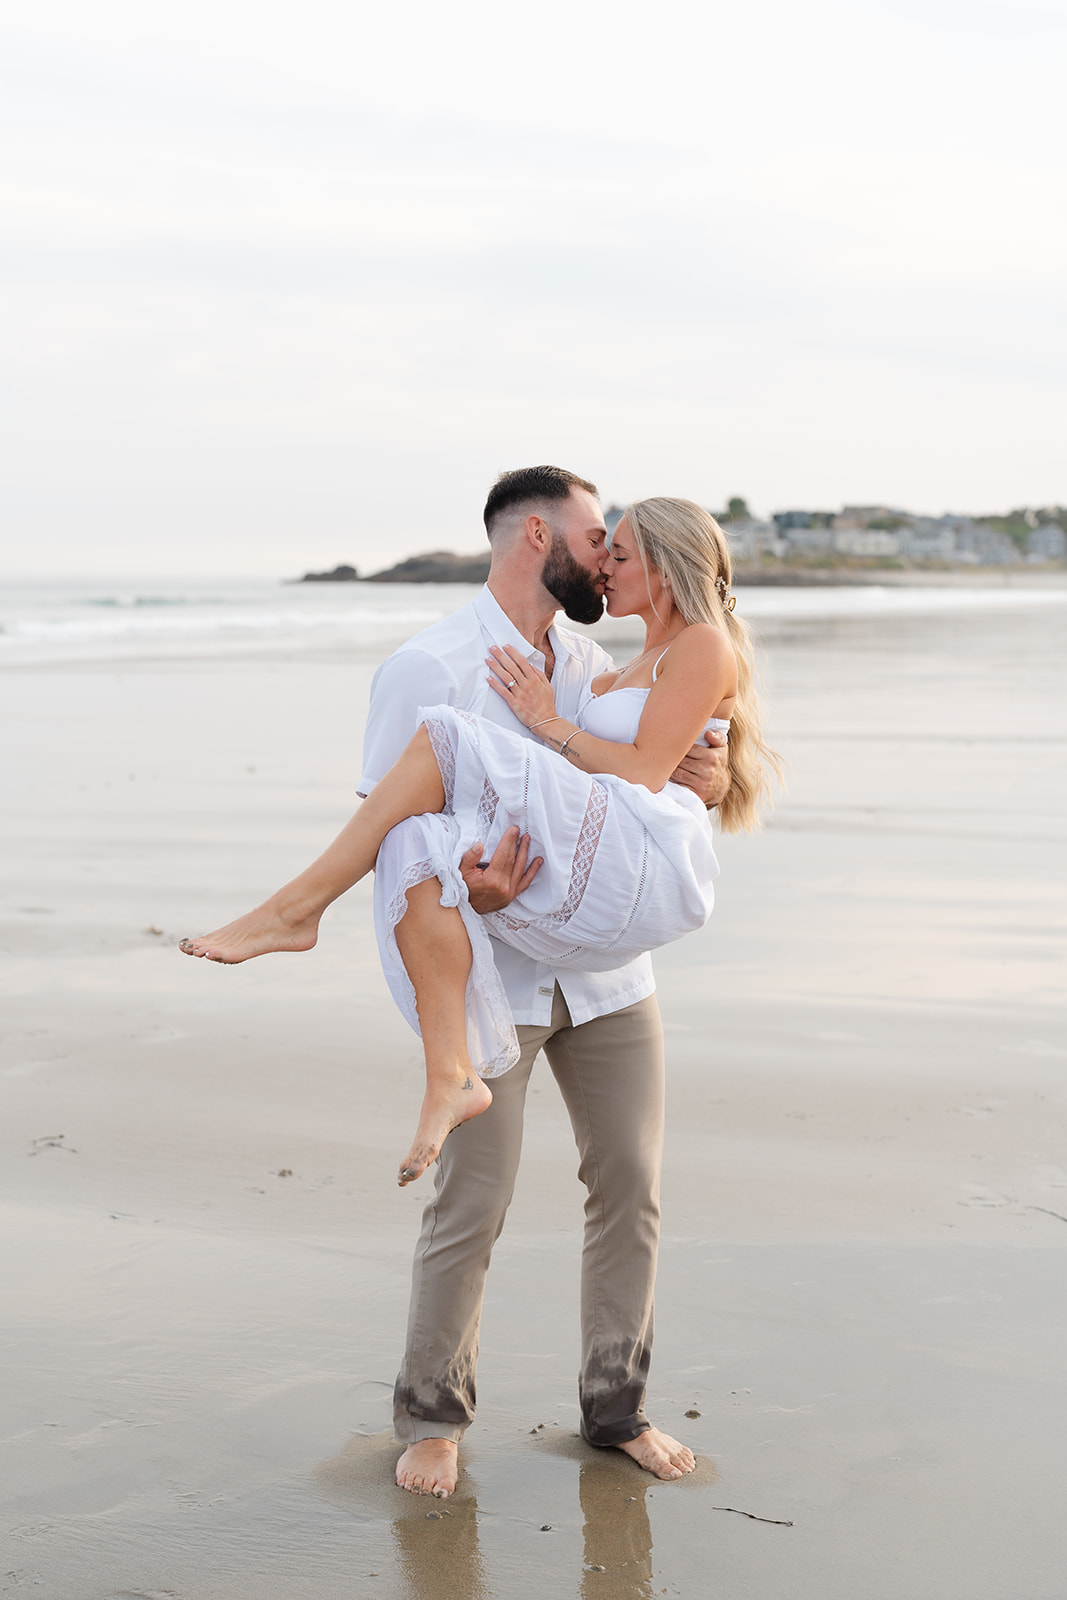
(169, 619)
(83, 621)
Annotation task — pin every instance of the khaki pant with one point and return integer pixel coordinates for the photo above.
(610, 1073)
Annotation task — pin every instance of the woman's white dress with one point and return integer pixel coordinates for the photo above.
(625, 870)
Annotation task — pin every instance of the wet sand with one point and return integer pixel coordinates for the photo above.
(864, 1269)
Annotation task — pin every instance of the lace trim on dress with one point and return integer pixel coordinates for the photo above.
(446, 760)
(565, 956)
(487, 807)
(585, 850)
(414, 873)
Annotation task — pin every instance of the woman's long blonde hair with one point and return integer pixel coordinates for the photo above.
(686, 546)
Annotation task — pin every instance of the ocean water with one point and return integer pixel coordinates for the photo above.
(89, 620)
(161, 618)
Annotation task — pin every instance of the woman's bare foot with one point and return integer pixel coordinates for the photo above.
(429, 1467)
(445, 1105)
(271, 926)
(659, 1454)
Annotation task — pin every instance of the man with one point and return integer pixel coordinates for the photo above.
(600, 1031)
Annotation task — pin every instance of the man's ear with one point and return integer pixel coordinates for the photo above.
(537, 533)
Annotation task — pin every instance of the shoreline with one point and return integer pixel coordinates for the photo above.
(901, 577)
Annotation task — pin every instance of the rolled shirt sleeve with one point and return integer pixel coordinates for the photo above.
(405, 681)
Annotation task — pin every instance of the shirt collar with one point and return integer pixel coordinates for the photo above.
(561, 645)
(501, 630)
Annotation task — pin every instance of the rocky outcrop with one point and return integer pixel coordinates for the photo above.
(439, 566)
(338, 575)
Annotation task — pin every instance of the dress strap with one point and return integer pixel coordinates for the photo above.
(655, 664)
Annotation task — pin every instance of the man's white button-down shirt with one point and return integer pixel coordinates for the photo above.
(445, 665)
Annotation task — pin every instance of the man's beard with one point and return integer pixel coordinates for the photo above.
(567, 581)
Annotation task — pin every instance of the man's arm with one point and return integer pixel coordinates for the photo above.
(405, 681)
(705, 770)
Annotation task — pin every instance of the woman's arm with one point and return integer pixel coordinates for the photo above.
(699, 673)
(705, 769)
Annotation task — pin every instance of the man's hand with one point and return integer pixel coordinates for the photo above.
(704, 770)
(493, 886)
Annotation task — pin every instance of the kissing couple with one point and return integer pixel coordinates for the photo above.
(537, 821)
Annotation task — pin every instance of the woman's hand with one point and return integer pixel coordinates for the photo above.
(526, 690)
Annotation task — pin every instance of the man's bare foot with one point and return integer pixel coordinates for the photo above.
(659, 1454)
(271, 926)
(429, 1467)
(445, 1105)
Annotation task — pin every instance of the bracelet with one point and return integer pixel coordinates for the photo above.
(532, 725)
(567, 740)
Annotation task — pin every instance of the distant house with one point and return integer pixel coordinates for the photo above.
(927, 539)
(804, 532)
(866, 542)
(807, 541)
(1047, 542)
(979, 545)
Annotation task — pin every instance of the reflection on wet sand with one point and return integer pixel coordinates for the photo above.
(613, 1493)
(438, 1554)
(618, 1536)
(437, 1549)
(436, 1541)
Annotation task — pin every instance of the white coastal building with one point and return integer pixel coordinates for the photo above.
(1046, 542)
(927, 539)
(867, 541)
(979, 545)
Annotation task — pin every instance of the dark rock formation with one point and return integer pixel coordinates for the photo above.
(338, 575)
(439, 566)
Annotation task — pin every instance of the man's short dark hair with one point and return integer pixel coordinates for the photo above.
(530, 484)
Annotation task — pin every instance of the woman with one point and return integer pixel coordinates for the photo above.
(628, 857)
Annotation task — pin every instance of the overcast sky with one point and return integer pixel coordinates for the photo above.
(288, 284)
